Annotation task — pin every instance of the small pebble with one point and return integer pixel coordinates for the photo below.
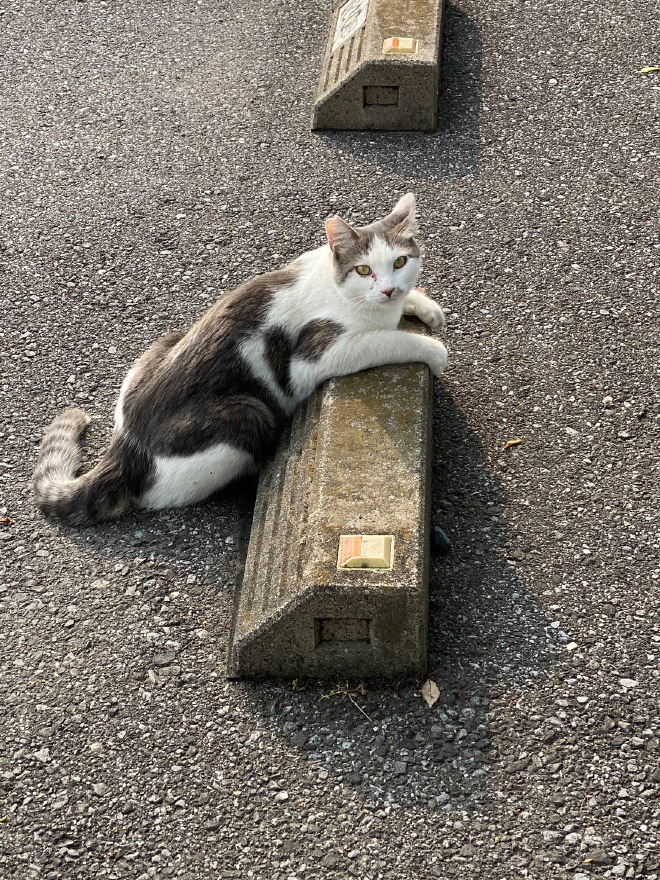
(440, 543)
(164, 658)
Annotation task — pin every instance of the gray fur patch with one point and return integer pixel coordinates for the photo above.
(349, 255)
(178, 401)
(401, 239)
(278, 349)
(103, 492)
(59, 451)
(315, 338)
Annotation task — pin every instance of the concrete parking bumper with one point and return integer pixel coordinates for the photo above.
(336, 576)
(381, 66)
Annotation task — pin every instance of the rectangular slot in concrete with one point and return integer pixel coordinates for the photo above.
(380, 96)
(342, 629)
(381, 66)
(354, 465)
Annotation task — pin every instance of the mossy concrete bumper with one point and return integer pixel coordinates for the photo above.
(355, 462)
(381, 67)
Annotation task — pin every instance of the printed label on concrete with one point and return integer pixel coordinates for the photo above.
(351, 18)
(349, 483)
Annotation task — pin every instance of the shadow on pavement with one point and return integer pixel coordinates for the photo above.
(451, 151)
(486, 634)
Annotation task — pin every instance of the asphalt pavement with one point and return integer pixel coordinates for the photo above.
(153, 155)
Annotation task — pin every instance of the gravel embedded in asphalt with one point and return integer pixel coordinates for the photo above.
(154, 155)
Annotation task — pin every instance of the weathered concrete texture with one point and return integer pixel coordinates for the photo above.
(356, 460)
(362, 85)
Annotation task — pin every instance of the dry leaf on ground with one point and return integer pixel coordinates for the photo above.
(510, 443)
(430, 692)
(652, 69)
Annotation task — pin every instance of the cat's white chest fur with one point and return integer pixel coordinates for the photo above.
(356, 304)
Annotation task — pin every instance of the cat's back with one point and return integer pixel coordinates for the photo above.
(246, 307)
(307, 295)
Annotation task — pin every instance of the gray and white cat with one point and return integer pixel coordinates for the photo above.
(200, 409)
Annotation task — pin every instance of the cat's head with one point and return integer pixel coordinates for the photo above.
(376, 264)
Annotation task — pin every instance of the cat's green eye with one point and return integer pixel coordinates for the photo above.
(363, 270)
(400, 262)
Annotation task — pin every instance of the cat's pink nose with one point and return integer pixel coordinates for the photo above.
(389, 292)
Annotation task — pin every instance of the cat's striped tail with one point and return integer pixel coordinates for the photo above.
(97, 495)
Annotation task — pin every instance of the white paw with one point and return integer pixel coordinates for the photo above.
(433, 317)
(425, 309)
(437, 357)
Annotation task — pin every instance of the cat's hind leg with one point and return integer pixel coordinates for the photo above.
(204, 448)
(185, 479)
(146, 364)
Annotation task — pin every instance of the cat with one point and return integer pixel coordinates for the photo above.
(197, 410)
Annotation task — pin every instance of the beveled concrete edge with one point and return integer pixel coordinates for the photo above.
(427, 513)
(232, 670)
(233, 660)
(321, 104)
(232, 665)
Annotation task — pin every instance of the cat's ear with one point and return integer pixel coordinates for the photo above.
(403, 214)
(341, 236)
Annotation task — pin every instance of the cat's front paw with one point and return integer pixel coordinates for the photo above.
(437, 359)
(428, 311)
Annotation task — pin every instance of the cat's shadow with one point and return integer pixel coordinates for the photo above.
(453, 150)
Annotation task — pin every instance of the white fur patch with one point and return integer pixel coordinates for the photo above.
(358, 304)
(119, 407)
(361, 351)
(253, 352)
(186, 479)
(314, 295)
(418, 304)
